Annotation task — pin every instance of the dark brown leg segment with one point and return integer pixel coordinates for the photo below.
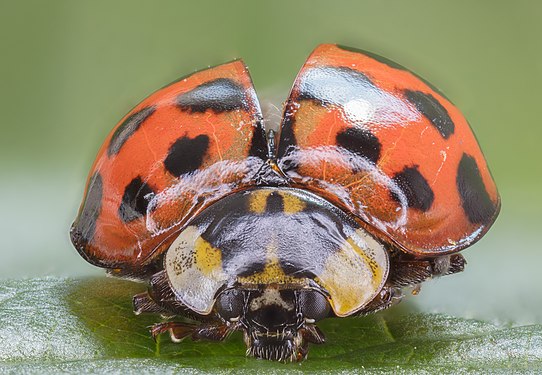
(447, 265)
(388, 297)
(179, 331)
(143, 303)
(216, 332)
(313, 334)
(160, 299)
(410, 272)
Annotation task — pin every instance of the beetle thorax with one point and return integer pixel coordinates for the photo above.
(276, 237)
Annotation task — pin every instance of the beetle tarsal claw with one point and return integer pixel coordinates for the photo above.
(311, 333)
(177, 330)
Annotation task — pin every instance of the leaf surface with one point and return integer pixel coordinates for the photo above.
(87, 326)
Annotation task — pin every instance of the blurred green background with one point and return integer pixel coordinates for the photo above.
(69, 70)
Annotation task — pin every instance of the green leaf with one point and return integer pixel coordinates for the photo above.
(87, 326)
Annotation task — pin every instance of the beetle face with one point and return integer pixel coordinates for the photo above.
(277, 323)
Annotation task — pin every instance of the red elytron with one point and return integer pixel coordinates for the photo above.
(142, 187)
(445, 199)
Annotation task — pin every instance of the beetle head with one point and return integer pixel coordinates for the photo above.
(278, 324)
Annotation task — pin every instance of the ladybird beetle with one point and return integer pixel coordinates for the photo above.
(373, 184)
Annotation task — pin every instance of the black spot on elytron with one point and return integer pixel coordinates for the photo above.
(287, 139)
(475, 199)
(382, 59)
(219, 95)
(135, 200)
(394, 65)
(360, 142)
(258, 144)
(186, 155)
(127, 128)
(415, 187)
(433, 110)
(331, 85)
(274, 203)
(84, 226)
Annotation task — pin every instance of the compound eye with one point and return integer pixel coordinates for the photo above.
(229, 304)
(313, 305)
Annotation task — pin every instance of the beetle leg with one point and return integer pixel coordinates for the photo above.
(143, 303)
(177, 330)
(162, 295)
(313, 334)
(412, 272)
(387, 297)
(212, 332)
(448, 264)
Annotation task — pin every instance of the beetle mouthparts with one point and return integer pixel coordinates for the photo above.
(276, 346)
(274, 350)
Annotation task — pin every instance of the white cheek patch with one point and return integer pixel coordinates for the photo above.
(194, 270)
(355, 274)
(270, 296)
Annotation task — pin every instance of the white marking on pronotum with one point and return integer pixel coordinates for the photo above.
(270, 296)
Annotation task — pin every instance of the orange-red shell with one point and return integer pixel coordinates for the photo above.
(182, 148)
(359, 130)
(383, 144)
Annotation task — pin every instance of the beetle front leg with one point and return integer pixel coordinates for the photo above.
(178, 331)
(143, 303)
(387, 297)
(213, 332)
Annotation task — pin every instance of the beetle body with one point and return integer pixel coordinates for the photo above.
(374, 183)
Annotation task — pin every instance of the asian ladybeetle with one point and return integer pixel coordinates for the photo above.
(375, 184)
